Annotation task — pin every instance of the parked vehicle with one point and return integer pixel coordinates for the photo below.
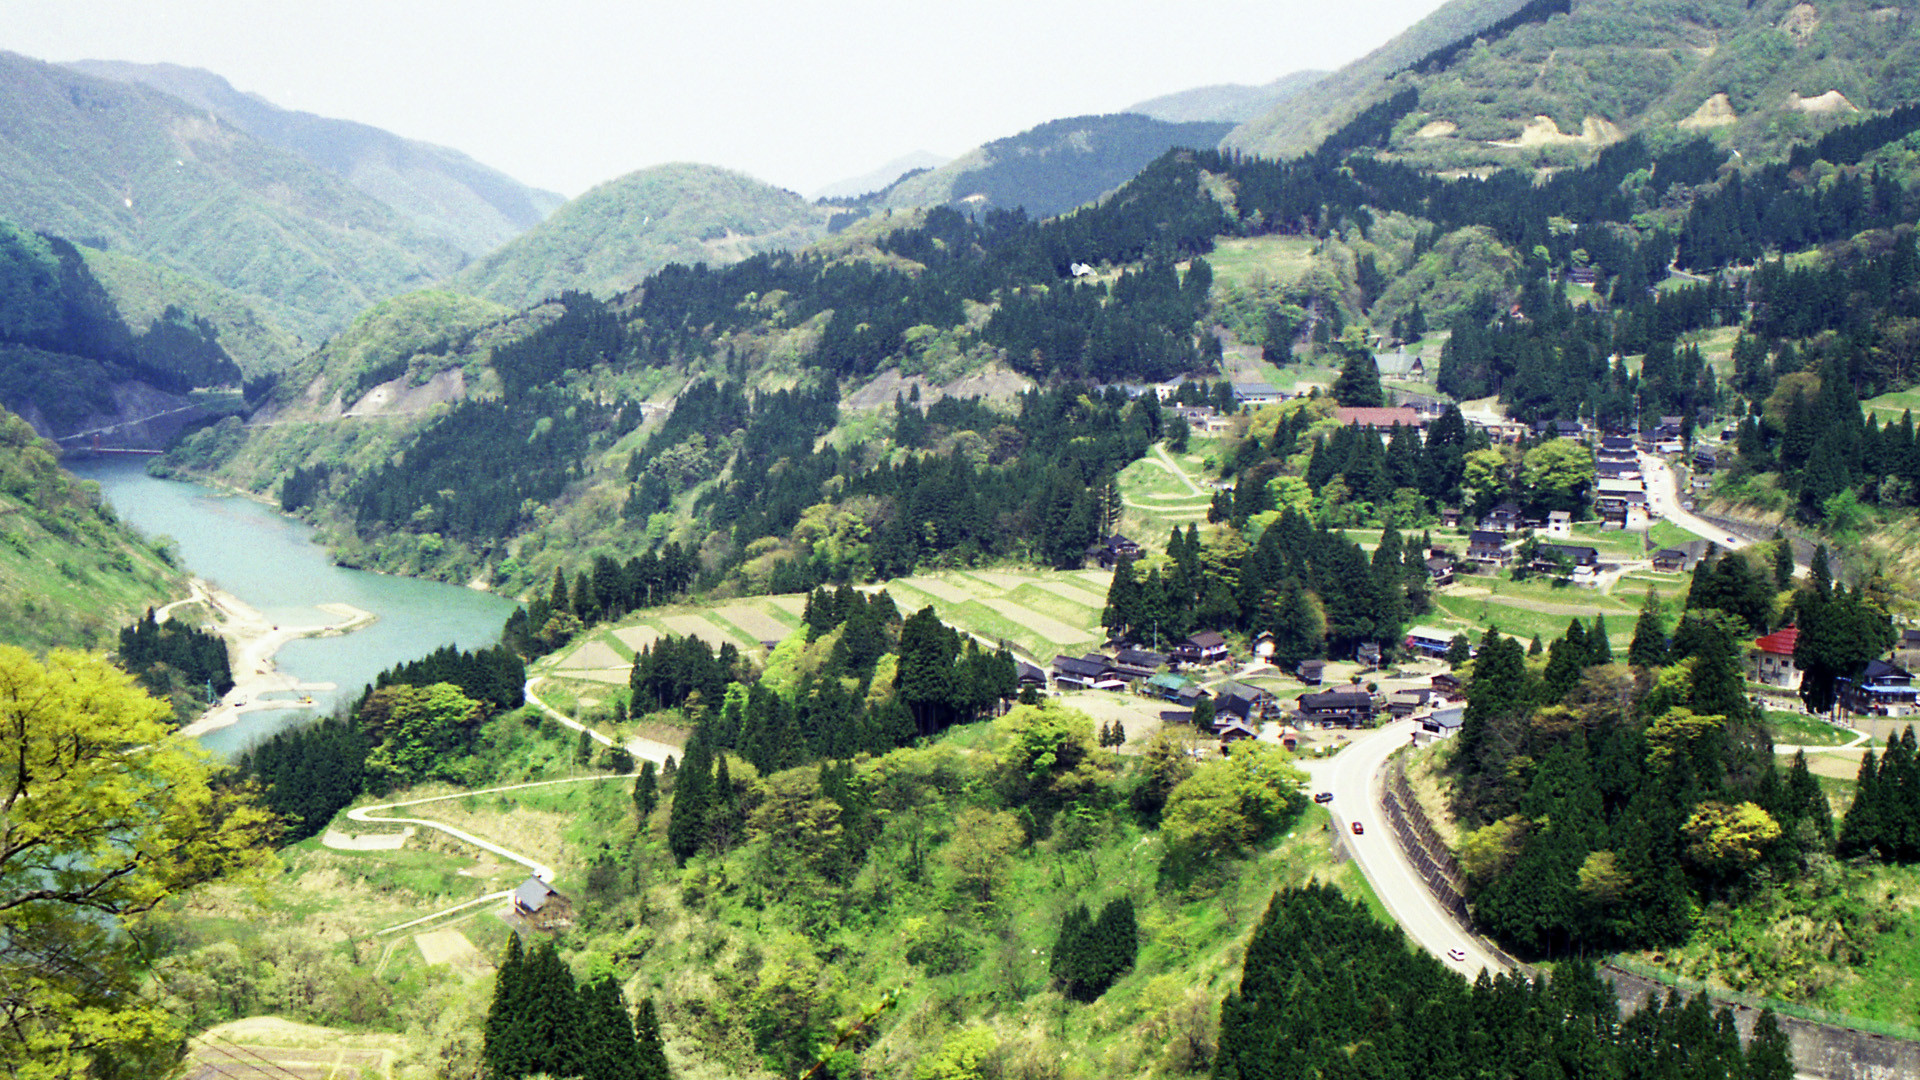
(1358, 828)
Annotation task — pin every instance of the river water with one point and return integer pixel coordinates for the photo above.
(271, 562)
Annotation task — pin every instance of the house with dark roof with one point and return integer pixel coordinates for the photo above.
(1879, 689)
(1205, 647)
(1140, 658)
(1110, 551)
(1077, 673)
(1439, 572)
(1311, 671)
(1404, 703)
(1341, 708)
(1446, 686)
(1770, 659)
(1546, 555)
(537, 904)
(1506, 517)
(1255, 393)
(1234, 730)
(1030, 675)
(1444, 723)
(1489, 548)
(1249, 703)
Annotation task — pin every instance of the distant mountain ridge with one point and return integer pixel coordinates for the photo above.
(1054, 167)
(607, 240)
(881, 177)
(439, 190)
(1230, 102)
(126, 168)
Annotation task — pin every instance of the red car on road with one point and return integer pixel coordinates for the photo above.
(1358, 829)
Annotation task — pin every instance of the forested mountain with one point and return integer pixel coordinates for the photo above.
(72, 361)
(1052, 168)
(71, 575)
(128, 169)
(440, 191)
(1229, 102)
(1548, 81)
(608, 239)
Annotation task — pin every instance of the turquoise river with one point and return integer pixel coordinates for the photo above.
(270, 562)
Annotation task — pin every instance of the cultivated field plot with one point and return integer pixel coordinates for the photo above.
(699, 626)
(756, 622)
(595, 654)
(451, 947)
(1037, 612)
(269, 1047)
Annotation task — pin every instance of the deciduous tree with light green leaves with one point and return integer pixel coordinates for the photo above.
(104, 814)
(1228, 806)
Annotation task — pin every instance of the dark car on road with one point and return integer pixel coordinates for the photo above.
(1325, 796)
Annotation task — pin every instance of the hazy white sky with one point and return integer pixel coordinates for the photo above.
(565, 94)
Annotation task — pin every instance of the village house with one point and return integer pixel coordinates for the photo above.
(1311, 671)
(1110, 551)
(1770, 659)
(1489, 548)
(1205, 647)
(1446, 687)
(1439, 572)
(1337, 708)
(1545, 556)
(1248, 703)
(1404, 703)
(1401, 366)
(1505, 517)
(1079, 673)
(537, 904)
(1559, 524)
(1382, 418)
(1879, 689)
(1138, 663)
(1444, 723)
(1428, 641)
(1255, 393)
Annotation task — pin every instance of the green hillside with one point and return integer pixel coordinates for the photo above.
(130, 170)
(607, 240)
(1052, 168)
(120, 354)
(439, 191)
(1549, 81)
(70, 574)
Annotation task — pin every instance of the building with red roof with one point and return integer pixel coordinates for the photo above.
(1382, 418)
(1771, 659)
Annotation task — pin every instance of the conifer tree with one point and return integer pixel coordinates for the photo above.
(646, 792)
(1649, 646)
(505, 1053)
(1599, 646)
(686, 826)
(608, 1048)
(651, 1061)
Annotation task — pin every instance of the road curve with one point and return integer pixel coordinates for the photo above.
(1663, 500)
(642, 749)
(540, 870)
(1354, 776)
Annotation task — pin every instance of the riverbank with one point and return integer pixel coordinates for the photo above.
(252, 642)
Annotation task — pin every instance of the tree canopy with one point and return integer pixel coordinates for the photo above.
(103, 815)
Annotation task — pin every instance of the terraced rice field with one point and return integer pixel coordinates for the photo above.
(1038, 613)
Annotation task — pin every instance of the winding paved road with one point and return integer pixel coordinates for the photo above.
(1354, 777)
